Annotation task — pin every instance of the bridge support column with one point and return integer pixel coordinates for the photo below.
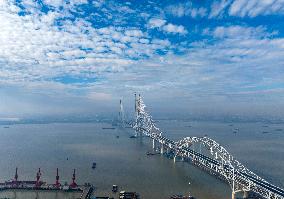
(175, 159)
(162, 148)
(137, 133)
(168, 150)
(233, 195)
(154, 144)
(246, 194)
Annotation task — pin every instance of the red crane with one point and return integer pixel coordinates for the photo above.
(15, 181)
(73, 184)
(16, 175)
(38, 182)
(57, 183)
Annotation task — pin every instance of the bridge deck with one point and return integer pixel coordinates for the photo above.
(166, 141)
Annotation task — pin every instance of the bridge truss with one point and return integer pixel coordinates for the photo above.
(215, 158)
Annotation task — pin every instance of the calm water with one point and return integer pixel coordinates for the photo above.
(122, 160)
(39, 195)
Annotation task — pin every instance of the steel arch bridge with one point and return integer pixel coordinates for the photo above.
(211, 156)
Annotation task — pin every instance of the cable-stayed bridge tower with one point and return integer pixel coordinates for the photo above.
(121, 115)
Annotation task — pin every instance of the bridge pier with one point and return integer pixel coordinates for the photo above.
(154, 144)
(233, 195)
(246, 194)
(168, 150)
(162, 148)
(138, 133)
(175, 159)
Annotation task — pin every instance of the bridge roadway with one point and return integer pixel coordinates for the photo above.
(240, 176)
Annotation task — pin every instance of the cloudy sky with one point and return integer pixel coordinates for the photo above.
(60, 57)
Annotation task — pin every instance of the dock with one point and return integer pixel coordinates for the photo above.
(87, 192)
(33, 185)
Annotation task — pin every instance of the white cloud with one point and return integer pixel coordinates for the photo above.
(236, 31)
(248, 64)
(134, 33)
(162, 24)
(49, 18)
(218, 7)
(78, 2)
(254, 8)
(186, 9)
(98, 3)
(54, 3)
(171, 28)
(156, 23)
(34, 52)
(144, 41)
(34, 49)
(243, 8)
(7, 6)
(58, 3)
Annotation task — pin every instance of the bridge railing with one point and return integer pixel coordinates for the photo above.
(223, 163)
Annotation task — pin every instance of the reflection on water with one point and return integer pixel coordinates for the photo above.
(39, 195)
(123, 161)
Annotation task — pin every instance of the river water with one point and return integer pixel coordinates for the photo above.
(123, 161)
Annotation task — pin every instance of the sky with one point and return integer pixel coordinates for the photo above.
(79, 57)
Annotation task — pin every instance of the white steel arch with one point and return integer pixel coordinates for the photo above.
(223, 163)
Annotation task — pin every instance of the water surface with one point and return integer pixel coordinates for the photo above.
(123, 161)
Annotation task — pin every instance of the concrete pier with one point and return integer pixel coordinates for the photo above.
(246, 194)
(162, 149)
(233, 195)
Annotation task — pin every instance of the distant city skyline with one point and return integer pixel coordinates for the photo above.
(214, 58)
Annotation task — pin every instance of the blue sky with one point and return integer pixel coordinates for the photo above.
(189, 57)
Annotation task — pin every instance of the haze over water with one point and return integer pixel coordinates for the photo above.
(123, 161)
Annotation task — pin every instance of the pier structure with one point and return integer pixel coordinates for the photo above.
(17, 184)
(211, 156)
